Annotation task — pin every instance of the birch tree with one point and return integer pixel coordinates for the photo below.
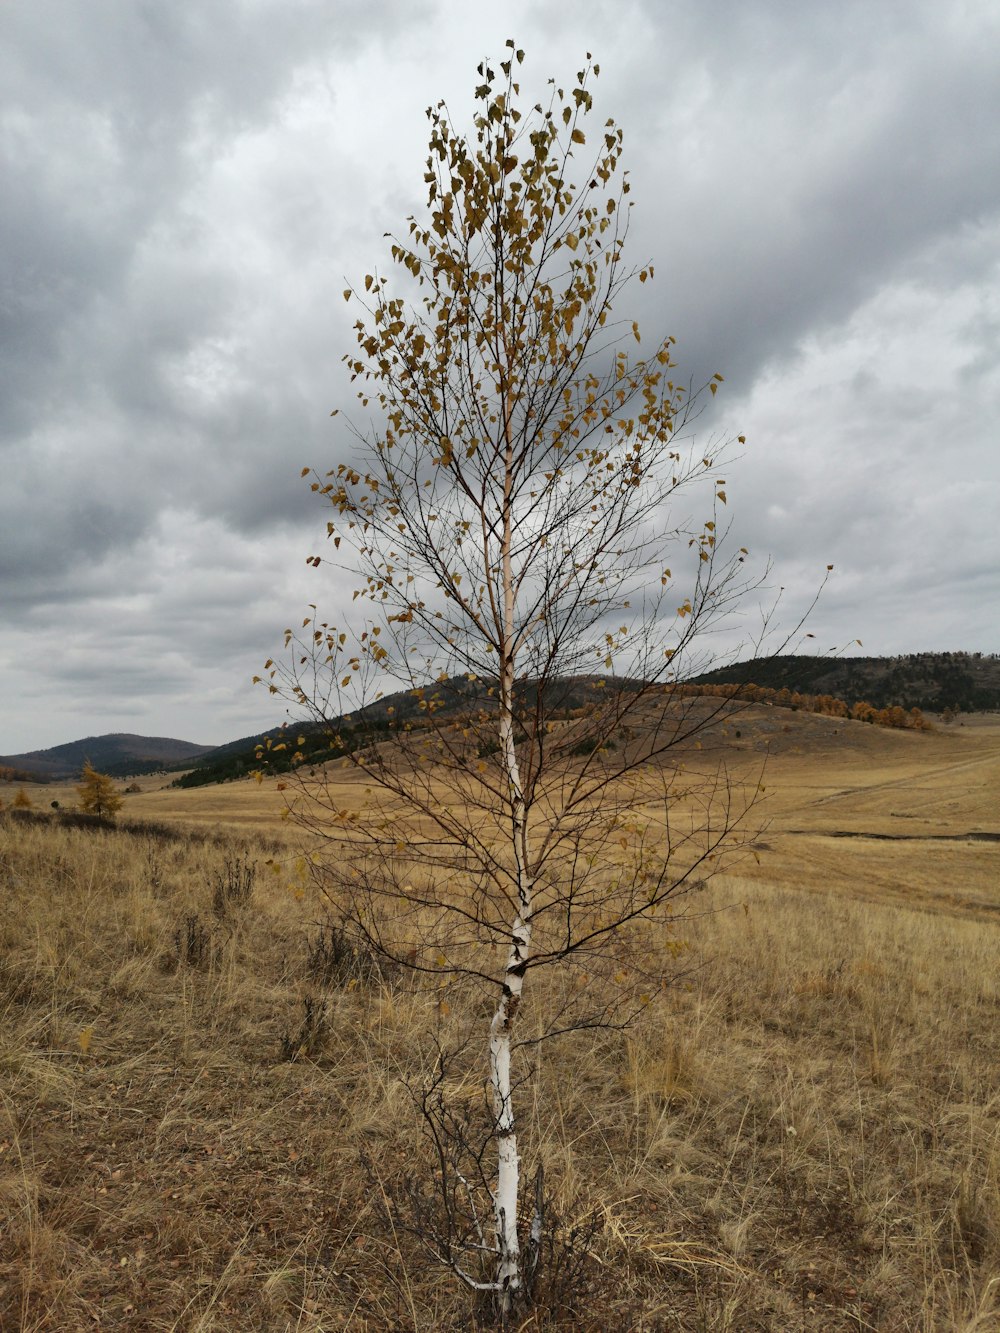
(525, 566)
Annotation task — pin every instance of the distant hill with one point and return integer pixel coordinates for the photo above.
(312, 742)
(932, 682)
(118, 754)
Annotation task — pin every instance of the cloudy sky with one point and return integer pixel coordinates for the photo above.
(188, 184)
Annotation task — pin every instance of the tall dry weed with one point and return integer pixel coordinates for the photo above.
(804, 1134)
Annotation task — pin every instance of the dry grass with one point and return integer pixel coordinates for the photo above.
(804, 1134)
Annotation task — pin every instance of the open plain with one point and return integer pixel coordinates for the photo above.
(205, 1109)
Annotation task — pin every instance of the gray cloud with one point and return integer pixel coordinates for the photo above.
(804, 155)
(188, 187)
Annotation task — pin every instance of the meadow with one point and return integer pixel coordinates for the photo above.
(206, 1103)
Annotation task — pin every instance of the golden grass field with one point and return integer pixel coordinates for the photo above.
(803, 1133)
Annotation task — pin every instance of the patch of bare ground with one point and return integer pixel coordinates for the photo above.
(802, 1132)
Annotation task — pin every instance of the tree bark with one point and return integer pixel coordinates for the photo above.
(509, 1276)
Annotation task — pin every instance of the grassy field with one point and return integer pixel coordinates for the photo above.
(803, 1133)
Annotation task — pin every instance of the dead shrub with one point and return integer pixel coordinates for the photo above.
(233, 885)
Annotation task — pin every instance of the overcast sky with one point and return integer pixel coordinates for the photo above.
(186, 186)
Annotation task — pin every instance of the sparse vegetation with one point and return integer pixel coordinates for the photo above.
(335, 958)
(803, 1135)
(232, 886)
(312, 1031)
(192, 941)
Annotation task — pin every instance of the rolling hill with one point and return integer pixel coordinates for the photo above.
(932, 682)
(118, 754)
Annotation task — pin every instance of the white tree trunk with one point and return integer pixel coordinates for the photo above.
(509, 1276)
(508, 1273)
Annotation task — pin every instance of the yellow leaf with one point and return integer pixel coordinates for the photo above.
(578, 136)
(85, 1037)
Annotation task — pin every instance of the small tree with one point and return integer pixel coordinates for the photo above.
(22, 801)
(97, 793)
(537, 798)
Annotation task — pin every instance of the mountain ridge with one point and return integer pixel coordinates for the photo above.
(932, 682)
(117, 753)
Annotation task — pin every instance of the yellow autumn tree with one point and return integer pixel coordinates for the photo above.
(510, 526)
(97, 793)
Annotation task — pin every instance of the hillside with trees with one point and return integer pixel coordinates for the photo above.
(453, 701)
(933, 682)
(311, 744)
(11, 773)
(850, 687)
